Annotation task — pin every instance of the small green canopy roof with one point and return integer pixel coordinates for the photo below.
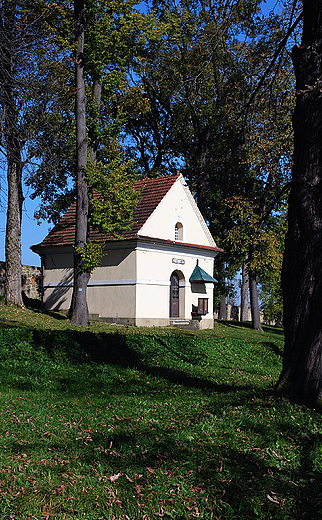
(200, 276)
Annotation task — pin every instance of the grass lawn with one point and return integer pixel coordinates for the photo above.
(122, 423)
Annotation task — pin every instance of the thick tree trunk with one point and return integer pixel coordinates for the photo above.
(79, 310)
(256, 322)
(13, 147)
(302, 267)
(13, 292)
(244, 294)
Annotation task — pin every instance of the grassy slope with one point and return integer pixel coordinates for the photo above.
(123, 423)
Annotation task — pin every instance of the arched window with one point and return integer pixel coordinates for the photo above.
(178, 231)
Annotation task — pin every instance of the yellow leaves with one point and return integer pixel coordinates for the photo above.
(135, 102)
(242, 210)
(252, 232)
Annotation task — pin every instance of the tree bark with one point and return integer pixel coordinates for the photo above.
(79, 310)
(222, 314)
(13, 289)
(301, 376)
(13, 147)
(244, 293)
(256, 322)
(97, 94)
(201, 184)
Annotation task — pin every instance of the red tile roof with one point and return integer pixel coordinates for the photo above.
(154, 190)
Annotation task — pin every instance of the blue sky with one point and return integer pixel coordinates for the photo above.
(32, 233)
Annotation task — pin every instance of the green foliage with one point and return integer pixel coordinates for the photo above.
(250, 230)
(111, 208)
(114, 33)
(91, 255)
(271, 297)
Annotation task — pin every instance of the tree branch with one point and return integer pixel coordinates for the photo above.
(269, 68)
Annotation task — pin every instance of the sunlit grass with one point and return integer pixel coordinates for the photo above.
(119, 423)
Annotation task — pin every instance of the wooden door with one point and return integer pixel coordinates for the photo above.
(174, 296)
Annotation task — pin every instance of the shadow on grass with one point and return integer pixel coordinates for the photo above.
(241, 483)
(115, 349)
(63, 352)
(274, 348)
(35, 305)
(248, 325)
(249, 483)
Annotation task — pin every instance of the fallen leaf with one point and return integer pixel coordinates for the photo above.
(112, 478)
(274, 500)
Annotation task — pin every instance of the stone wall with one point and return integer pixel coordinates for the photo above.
(30, 280)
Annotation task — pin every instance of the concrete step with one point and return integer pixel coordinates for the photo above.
(184, 324)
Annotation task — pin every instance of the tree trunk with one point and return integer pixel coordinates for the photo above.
(201, 177)
(97, 94)
(244, 294)
(13, 147)
(222, 314)
(79, 310)
(256, 322)
(301, 376)
(13, 291)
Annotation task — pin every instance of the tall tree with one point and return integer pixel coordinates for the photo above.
(79, 309)
(92, 158)
(117, 199)
(301, 376)
(114, 34)
(13, 146)
(21, 50)
(259, 238)
(190, 81)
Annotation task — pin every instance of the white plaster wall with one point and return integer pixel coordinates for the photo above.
(177, 206)
(57, 280)
(59, 267)
(113, 301)
(154, 269)
(57, 298)
(111, 290)
(119, 264)
(152, 301)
